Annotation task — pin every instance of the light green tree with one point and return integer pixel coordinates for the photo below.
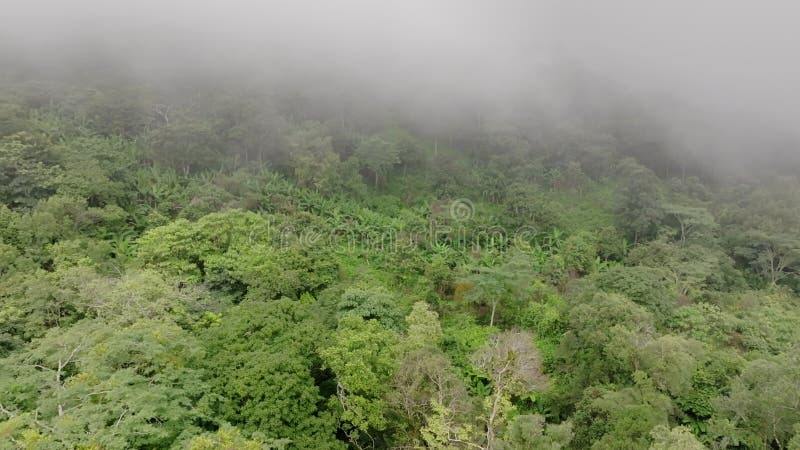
(311, 156)
(508, 285)
(761, 407)
(377, 155)
(362, 355)
(677, 438)
(231, 438)
(671, 361)
(622, 419)
(531, 431)
(109, 385)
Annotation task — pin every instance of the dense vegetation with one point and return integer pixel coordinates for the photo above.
(230, 270)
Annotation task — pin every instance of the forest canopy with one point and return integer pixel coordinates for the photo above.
(217, 272)
(332, 256)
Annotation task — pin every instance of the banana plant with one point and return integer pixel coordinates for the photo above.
(539, 255)
(601, 265)
(551, 242)
(123, 244)
(206, 178)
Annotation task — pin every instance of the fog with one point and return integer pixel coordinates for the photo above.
(718, 77)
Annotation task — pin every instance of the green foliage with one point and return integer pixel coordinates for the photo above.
(371, 305)
(765, 322)
(649, 287)
(213, 272)
(105, 385)
(462, 337)
(240, 271)
(506, 285)
(261, 361)
(378, 155)
(622, 419)
(794, 443)
(603, 338)
(312, 157)
(692, 268)
(759, 409)
(27, 170)
(709, 381)
(530, 431)
(424, 330)
(186, 143)
(678, 438)
(640, 208)
(232, 251)
(611, 245)
(579, 253)
(546, 319)
(705, 322)
(671, 362)
(690, 223)
(527, 206)
(228, 437)
(172, 249)
(36, 301)
(362, 355)
(180, 247)
(773, 256)
(443, 432)
(96, 169)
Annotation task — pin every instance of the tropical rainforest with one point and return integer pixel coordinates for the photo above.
(213, 268)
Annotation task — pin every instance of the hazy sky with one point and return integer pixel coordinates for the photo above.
(724, 59)
(734, 51)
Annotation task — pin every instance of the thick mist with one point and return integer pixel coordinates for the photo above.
(718, 78)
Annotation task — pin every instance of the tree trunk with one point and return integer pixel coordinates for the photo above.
(490, 421)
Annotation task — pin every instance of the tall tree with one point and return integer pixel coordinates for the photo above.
(186, 143)
(109, 385)
(762, 406)
(261, 361)
(513, 366)
(362, 355)
(773, 256)
(504, 285)
(378, 155)
(311, 156)
(640, 209)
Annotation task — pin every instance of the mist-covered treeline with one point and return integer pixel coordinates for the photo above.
(214, 265)
(393, 225)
